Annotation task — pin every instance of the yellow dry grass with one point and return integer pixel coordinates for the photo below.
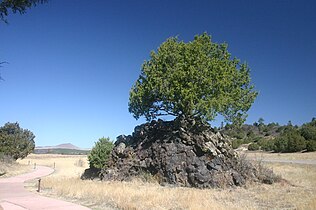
(13, 169)
(64, 165)
(298, 193)
(282, 156)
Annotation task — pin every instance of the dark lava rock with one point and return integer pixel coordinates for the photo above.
(183, 152)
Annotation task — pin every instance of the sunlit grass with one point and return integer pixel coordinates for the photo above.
(298, 192)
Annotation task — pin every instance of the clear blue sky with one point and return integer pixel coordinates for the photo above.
(72, 63)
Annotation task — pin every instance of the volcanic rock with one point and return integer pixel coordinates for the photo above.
(183, 152)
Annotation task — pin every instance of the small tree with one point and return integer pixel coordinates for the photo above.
(198, 79)
(261, 121)
(15, 141)
(100, 153)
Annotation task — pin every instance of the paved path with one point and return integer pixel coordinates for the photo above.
(308, 162)
(13, 196)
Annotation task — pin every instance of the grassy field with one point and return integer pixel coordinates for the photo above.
(282, 156)
(298, 192)
(8, 169)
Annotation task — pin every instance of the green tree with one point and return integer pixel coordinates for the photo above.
(261, 125)
(290, 141)
(15, 6)
(308, 130)
(267, 144)
(311, 145)
(15, 141)
(261, 121)
(100, 153)
(198, 79)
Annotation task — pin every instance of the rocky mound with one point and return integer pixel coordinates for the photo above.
(180, 152)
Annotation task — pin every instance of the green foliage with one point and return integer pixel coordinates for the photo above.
(236, 134)
(15, 141)
(274, 137)
(280, 144)
(266, 144)
(253, 146)
(290, 141)
(16, 6)
(257, 139)
(311, 145)
(194, 79)
(308, 130)
(261, 121)
(236, 143)
(100, 153)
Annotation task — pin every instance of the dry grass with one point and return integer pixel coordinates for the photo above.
(282, 156)
(13, 169)
(298, 193)
(64, 165)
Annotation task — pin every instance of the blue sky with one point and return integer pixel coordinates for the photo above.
(72, 63)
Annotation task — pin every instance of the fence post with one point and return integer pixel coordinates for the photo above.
(34, 165)
(39, 185)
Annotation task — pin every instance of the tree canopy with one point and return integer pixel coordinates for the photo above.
(16, 6)
(15, 141)
(197, 79)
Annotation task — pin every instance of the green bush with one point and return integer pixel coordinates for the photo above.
(100, 153)
(296, 143)
(253, 146)
(266, 144)
(308, 132)
(257, 139)
(280, 144)
(311, 146)
(290, 141)
(236, 143)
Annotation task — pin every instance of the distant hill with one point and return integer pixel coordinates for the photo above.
(67, 149)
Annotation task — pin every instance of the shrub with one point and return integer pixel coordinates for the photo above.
(280, 144)
(100, 153)
(311, 146)
(265, 174)
(308, 132)
(267, 144)
(256, 171)
(236, 143)
(290, 141)
(253, 146)
(257, 139)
